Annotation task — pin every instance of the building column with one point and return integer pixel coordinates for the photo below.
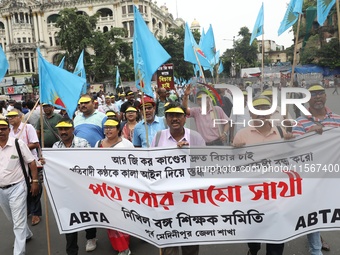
(10, 30)
(23, 63)
(8, 40)
(40, 25)
(30, 63)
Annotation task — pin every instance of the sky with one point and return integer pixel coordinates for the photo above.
(228, 16)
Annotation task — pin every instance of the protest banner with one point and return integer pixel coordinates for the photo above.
(206, 195)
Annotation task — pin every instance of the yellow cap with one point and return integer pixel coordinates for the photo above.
(175, 110)
(261, 101)
(113, 97)
(84, 100)
(111, 123)
(3, 122)
(316, 88)
(107, 96)
(12, 113)
(130, 93)
(110, 114)
(131, 109)
(64, 124)
(267, 92)
(122, 95)
(166, 104)
(245, 93)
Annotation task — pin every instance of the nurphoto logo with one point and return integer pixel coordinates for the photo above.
(238, 104)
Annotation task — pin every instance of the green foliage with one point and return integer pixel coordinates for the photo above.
(245, 54)
(174, 45)
(309, 52)
(329, 54)
(78, 32)
(75, 32)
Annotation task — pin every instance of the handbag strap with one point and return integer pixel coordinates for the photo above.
(22, 162)
(50, 128)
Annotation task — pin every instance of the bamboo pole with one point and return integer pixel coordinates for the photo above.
(338, 17)
(262, 62)
(44, 190)
(295, 49)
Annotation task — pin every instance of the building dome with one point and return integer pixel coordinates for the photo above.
(195, 25)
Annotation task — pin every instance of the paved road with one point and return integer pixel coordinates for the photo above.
(38, 245)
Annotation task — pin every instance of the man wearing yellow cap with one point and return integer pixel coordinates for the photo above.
(13, 188)
(177, 136)
(277, 114)
(88, 124)
(321, 117)
(27, 133)
(69, 140)
(261, 131)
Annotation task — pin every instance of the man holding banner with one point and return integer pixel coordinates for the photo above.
(69, 140)
(261, 134)
(177, 135)
(321, 117)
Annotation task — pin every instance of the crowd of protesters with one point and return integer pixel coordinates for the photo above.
(106, 120)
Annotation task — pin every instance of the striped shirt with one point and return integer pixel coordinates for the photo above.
(305, 123)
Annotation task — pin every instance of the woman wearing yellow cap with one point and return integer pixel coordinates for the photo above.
(119, 241)
(132, 118)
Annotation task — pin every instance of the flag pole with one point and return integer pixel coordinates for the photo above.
(44, 190)
(199, 64)
(295, 49)
(262, 62)
(144, 113)
(338, 16)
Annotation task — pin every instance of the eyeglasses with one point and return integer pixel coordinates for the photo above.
(149, 108)
(317, 93)
(110, 127)
(172, 115)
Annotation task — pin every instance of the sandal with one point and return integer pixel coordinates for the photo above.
(35, 220)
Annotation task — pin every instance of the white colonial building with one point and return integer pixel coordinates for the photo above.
(28, 24)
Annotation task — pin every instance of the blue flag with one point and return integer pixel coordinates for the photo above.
(3, 64)
(148, 54)
(117, 78)
(258, 27)
(62, 63)
(220, 68)
(80, 70)
(58, 87)
(192, 52)
(291, 15)
(323, 8)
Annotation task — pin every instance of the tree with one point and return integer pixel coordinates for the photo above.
(309, 52)
(329, 54)
(78, 32)
(75, 32)
(174, 45)
(245, 54)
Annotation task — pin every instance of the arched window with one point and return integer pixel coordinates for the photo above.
(53, 18)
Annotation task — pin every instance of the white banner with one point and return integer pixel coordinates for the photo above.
(262, 193)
